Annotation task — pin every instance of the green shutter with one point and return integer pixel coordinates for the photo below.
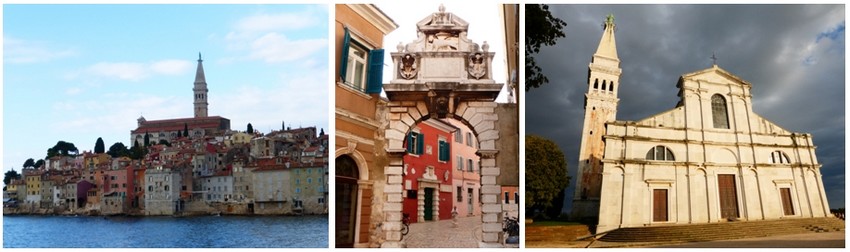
(343, 64)
(376, 72)
(410, 142)
(420, 143)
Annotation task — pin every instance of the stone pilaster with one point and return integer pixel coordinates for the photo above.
(491, 209)
(393, 204)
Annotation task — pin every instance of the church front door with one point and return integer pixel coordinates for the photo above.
(728, 196)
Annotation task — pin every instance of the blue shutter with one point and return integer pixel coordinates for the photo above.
(376, 72)
(420, 143)
(343, 64)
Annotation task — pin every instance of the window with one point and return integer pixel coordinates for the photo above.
(469, 166)
(779, 157)
(415, 142)
(507, 198)
(660, 153)
(718, 112)
(459, 163)
(360, 67)
(297, 181)
(444, 151)
(309, 180)
(298, 190)
(469, 139)
(458, 136)
(459, 194)
(516, 198)
(411, 194)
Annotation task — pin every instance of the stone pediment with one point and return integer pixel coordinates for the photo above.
(442, 21)
(714, 74)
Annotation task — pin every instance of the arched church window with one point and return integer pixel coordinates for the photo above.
(660, 153)
(611, 87)
(779, 157)
(596, 84)
(603, 84)
(719, 112)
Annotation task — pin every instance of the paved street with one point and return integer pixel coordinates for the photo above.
(441, 234)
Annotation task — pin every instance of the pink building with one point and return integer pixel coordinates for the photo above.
(466, 176)
(428, 172)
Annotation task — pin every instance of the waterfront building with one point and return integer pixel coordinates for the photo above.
(33, 183)
(272, 190)
(162, 196)
(309, 187)
(218, 187)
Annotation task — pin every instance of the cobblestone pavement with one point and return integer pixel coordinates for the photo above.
(441, 234)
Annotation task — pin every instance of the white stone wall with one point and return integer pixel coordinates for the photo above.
(703, 152)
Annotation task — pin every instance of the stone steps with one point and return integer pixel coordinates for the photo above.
(723, 231)
(555, 233)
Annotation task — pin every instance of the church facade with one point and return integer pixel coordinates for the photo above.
(709, 159)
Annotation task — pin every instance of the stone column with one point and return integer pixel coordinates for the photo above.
(491, 210)
(392, 206)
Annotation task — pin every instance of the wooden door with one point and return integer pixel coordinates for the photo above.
(728, 196)
(659, 205)
(429, 204)
(787, 206)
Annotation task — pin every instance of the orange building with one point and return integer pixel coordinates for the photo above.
(360, 31)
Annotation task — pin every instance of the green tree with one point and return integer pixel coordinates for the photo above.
(185, 130)
(179, 134)
(99, 147)
(541, 28)
(545, 174)
(118, 150)
(137, 152)
(147, 139)
(8, 176)
(39, 163)
(30, 163)
(164, 142)
(250, 129)
(62, 148)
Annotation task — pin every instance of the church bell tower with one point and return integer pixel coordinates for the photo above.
(600, 107)
(200, 90)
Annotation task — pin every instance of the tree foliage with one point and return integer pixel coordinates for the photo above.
(164, 142)
(185, 130)
(147, 139)
(99, 146)
(118, 150)
(138, 152)
(541, 28)
(39, 163)
(62, 148)
(29, 163)
(9, 175)
(545, 173)
(250, 129)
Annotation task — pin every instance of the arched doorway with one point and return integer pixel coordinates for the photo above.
(346, 206)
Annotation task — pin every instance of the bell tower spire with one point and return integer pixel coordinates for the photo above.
(200, 90)
(600, 107)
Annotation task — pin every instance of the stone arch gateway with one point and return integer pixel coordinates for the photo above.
(442, 74)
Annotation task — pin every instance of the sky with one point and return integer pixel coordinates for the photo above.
(484, 25)
(78, 72)
(794, 56)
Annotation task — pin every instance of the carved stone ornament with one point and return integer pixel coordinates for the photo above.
(442, 106)
(441, 41)
(407, 70)
(477, 69)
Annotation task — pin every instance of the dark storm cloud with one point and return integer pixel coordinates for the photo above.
(792, 54)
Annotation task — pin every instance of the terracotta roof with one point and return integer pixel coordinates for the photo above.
(211, 122)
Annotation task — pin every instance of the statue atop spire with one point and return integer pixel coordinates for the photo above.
(607, 45)
(199, 57)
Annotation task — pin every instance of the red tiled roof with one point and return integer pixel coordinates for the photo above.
(212, 122)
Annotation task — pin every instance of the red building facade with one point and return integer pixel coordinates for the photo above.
(428, 172)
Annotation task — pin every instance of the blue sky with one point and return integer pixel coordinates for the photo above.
(79, 72)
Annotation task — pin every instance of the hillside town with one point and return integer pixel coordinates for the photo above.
(183, 166)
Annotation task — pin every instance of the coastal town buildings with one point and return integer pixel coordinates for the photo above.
(466, 173)
(209, 170)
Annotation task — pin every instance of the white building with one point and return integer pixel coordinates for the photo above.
(162, 191)
(709, 159)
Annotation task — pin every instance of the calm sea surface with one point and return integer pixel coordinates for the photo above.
(165, 232)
